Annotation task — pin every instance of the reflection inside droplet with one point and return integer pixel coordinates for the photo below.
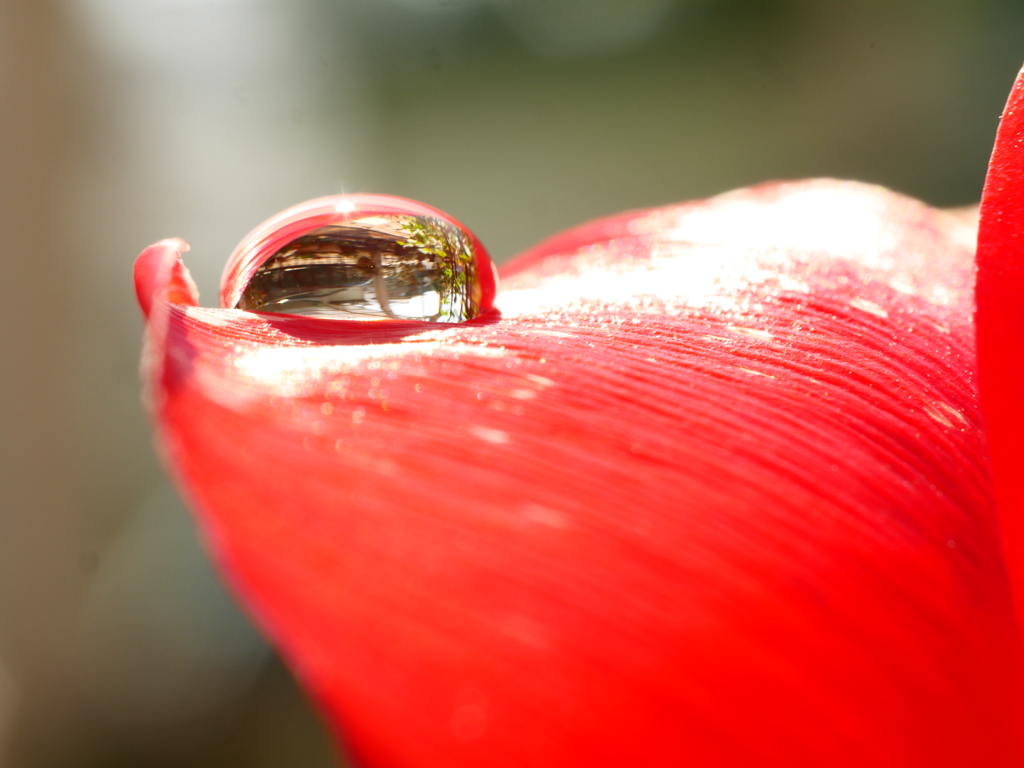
(383, 266)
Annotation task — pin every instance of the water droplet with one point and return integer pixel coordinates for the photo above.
(362, 257)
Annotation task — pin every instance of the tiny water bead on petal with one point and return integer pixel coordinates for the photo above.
(362, 257)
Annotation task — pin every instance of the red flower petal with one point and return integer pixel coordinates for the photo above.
(1000, 299)
(712, 491)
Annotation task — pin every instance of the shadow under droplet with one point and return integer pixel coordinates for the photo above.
(330, 331)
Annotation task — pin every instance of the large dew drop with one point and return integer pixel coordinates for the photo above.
(403, 267)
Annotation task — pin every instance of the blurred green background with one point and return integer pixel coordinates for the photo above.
(126, 121)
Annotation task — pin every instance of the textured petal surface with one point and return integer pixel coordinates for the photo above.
(710, 490)
(1000, 297)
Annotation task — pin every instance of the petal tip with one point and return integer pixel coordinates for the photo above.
(160, 275)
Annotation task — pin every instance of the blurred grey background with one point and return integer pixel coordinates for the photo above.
(126, 121)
